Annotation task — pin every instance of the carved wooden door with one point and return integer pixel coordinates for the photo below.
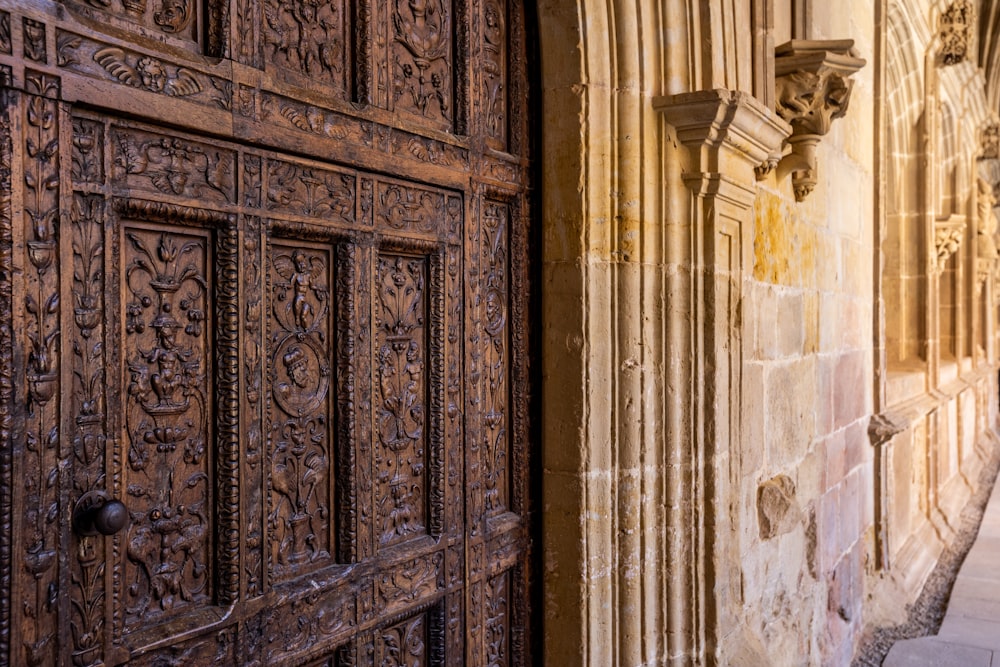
(263, 332)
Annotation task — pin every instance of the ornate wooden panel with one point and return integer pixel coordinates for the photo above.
(264, 285)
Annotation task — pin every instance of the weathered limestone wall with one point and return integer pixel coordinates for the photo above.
(807, 388)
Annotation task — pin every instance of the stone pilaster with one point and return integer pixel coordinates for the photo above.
(728, 134)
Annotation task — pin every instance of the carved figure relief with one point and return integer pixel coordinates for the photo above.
(173, 166)
(986, 231)
(990, 142)
(495, 72)
(495, 362)
(401, 415)
(955, 32)
(173, 16)
(148, 73)
(422, 58)
(34, 41)
(309, 37)
(168, 478)
(300, 370)
(812, 89)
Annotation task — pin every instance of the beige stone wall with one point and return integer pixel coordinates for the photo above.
(760, 415)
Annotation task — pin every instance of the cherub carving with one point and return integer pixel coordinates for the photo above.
(302, 273)
(147, 74)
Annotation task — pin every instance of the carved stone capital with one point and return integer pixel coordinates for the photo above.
(813, 88)
(955, 32)
(729, 133)
(948, 235)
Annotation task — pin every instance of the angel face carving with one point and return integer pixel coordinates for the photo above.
(147, 73)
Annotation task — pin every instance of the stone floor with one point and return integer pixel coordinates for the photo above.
(970, 633)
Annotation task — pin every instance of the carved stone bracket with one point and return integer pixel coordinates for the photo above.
(955, 32)
(948, 235)
(813, 89)
(726, 132)
(882, 427)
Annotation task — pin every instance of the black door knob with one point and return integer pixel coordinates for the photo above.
(97, 513)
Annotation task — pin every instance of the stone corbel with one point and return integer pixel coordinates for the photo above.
(948, 235)
(728, 133)
(813, 89)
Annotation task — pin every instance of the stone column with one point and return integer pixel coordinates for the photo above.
(728, 134)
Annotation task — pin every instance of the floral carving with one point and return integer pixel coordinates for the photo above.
(88, 158)
(421, 60)
(89, 441)
(42, 329)
(401, 416)
(403, 644)
(168, 479)
(300, 371)
(310, 192)
(409, 581)
(948, 235)
(497, 621)
(307, 36)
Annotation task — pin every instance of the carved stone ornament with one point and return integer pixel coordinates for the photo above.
(986, 230)
(813, 89)
(955, 30)
(725, 131)
(991, 142)
(948, 235)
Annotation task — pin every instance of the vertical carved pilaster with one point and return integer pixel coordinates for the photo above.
(9, 100)
(39, 462)
(727, 134)
(89, 441)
